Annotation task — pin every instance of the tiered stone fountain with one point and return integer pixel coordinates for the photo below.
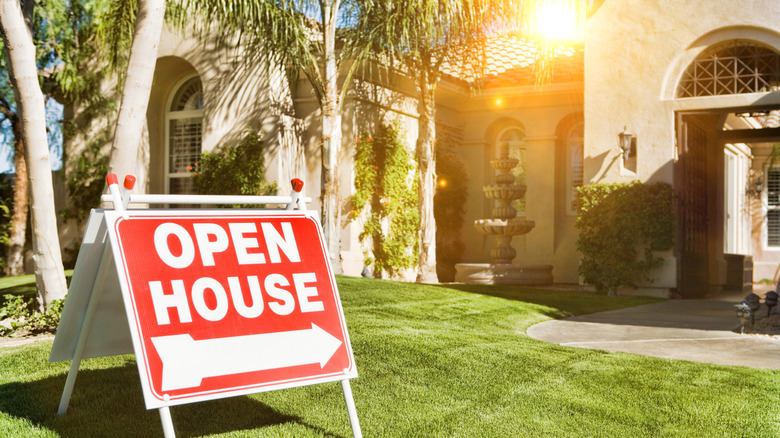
(504, 226)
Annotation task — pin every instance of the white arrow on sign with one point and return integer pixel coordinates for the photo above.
(187, 361)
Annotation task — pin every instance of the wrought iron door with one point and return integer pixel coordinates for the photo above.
(691, 182)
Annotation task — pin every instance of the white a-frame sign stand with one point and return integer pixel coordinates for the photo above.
(212, 302)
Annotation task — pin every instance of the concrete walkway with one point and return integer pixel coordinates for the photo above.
(695, 330)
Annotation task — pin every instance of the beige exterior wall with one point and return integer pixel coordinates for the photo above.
(366, 102)
(476, 121)
(236, 97)
(540, 114)
(636, 52)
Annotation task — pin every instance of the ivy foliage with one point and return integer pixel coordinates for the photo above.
(385, 186)
(18, 313)
(620, 226)
(234, 170)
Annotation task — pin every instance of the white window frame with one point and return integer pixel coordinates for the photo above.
(767, 208)
(178, 115)
(736, 221)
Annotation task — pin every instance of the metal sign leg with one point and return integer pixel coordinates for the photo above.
(94, 298)
(167, 422)
(353, 418)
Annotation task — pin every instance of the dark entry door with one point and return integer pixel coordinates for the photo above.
(691, 182)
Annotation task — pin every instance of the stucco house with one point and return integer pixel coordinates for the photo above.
(693, 82)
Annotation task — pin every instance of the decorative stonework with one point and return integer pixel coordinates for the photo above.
(736, 67)
(504, 226)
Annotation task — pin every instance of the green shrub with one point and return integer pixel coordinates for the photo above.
(620, 226)
(384, 182)
(234, 170)
(22, 314)
(85, 179)
(6, 200)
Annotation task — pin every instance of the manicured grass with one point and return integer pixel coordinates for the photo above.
(22, 285)
(19, 285)
(434, 361)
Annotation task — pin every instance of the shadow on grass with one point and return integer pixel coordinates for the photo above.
(25, 290)
(710, 314)
(109, 402)
(23, 285)
(558, 303)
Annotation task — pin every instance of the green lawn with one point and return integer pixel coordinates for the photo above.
(434, 361)
(22, 285)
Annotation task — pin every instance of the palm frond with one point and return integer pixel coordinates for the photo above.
(115, 31)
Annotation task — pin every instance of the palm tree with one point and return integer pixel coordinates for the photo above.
(16, 29)
(301, 36)
(428, 37)
(137, 81)
(65, 51)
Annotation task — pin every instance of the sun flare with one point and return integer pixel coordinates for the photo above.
(556, 21)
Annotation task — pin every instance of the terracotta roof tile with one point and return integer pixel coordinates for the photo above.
(510, 62)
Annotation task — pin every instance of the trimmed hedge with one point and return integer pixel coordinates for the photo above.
(621, 226)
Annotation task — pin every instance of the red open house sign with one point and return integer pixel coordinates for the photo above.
(228, 303)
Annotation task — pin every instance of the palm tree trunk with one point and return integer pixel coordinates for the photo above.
(138, 84)
(17, 37)
(426, 161)
(331, 142)
(14, 258)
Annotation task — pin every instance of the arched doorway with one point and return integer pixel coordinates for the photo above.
(716, 149)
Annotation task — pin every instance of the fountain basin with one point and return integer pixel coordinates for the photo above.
(501, 273)
(501, 227)
(504, 192)
(504, 163)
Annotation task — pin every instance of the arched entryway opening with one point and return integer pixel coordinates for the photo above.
(724, 164)
(184, 135)
(177, 125)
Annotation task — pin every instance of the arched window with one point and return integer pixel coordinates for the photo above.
(734, 67)
(184, 122)
(575, 138)
(511, 142)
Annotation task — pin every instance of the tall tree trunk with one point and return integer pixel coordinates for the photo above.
(138, 84)
(17, 37)
(15, 254)
(426, 160)
(331, 142)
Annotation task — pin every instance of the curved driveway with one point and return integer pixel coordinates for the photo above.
(695, 330)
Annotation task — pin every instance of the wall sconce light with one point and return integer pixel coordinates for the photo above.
(627, 142)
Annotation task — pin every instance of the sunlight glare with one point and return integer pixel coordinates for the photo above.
(557, 22)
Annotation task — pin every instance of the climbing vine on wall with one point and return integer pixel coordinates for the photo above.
(386, 187)
(620, 226)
